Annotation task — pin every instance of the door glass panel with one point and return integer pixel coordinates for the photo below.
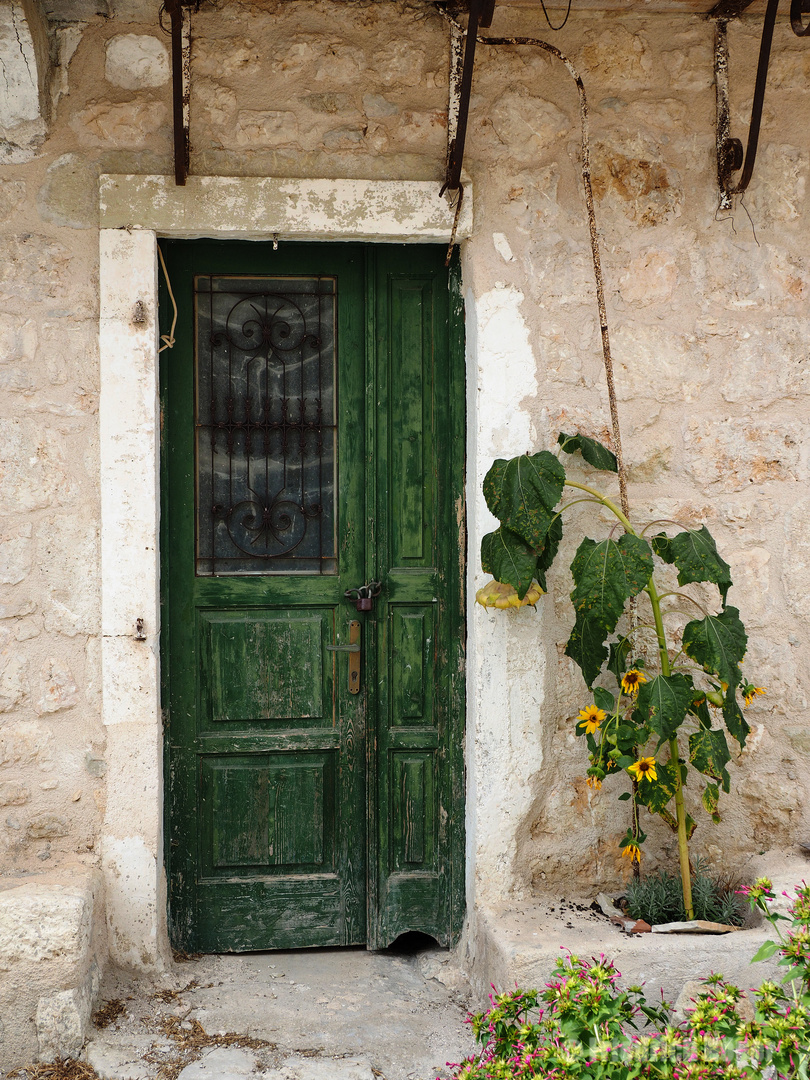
(266, 435)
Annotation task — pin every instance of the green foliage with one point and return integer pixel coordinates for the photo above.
(592, 451)
(689, 695)
(664, 703)
(606, 575)
(718, 643)
(584, 1026)
(509, 559)
(657, 898)
(695, 554)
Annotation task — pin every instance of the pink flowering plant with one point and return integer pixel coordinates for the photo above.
(649, 721)
(583, 1026)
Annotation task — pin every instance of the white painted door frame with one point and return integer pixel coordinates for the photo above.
(135, 210)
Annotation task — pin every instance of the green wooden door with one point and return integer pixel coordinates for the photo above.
(312, 413)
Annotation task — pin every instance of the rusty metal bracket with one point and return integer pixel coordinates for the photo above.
(730, 156)
(481, 12)
(181, 85)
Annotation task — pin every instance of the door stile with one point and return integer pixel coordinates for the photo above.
(374, 572)
(456, 556)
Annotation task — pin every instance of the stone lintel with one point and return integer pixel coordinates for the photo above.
(407, 211)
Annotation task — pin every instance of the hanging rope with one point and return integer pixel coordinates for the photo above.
(595, 253)
(167, 339)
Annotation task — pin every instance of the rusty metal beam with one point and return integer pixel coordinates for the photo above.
(180, 87)
(480, 10)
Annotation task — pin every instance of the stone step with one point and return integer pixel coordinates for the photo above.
(50, 956)
(521, 944)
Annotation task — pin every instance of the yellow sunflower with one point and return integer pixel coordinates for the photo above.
(632, 680)
(644, 769)
(632, 852)
(593, 782)
(591, 717)
(750, 692)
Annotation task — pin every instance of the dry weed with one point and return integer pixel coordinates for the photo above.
(61, 1069)
(109, 1013)
(190, 1039)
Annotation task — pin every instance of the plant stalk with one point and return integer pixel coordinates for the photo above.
(605, 502)
(674, 757)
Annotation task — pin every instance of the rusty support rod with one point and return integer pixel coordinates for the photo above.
(180, 116)
(729, 153)
(481, 12)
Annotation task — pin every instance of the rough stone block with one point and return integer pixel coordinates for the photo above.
(63, 1018)
(50, 948)
(126, 124)
(136, 61)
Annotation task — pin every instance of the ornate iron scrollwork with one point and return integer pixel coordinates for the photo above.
(266, 434)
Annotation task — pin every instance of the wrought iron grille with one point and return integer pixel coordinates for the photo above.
(266, 435)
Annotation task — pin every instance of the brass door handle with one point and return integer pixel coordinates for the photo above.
(353, 649)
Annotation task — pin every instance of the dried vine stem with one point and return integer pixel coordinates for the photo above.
(595, 253)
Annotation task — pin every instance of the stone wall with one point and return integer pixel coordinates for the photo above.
(709, 332)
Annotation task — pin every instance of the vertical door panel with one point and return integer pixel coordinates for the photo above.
(263, 486)
(420, 715)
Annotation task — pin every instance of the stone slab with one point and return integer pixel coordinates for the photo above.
(522, 943)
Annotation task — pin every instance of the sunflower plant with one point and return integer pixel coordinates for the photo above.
(656, 720)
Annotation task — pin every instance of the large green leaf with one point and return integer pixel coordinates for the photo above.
(509, 559)
(664, 702)
(735, 721)
(606, 575)
(694, 552)
(524, 492)
(594, 452)
(709, 753)
(718, 644)
(587, 648)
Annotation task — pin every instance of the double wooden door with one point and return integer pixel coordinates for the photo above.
(312, 412)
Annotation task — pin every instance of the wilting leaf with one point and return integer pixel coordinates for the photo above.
(664, 702)
(735, 721)
(586, 646)
(709, 753)
(508, 559)
(718, 644)
(493, 482)
(694, 552)
(710, 799)
(546, 557)
(655, 794)
(617, 660)
(594, 452)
